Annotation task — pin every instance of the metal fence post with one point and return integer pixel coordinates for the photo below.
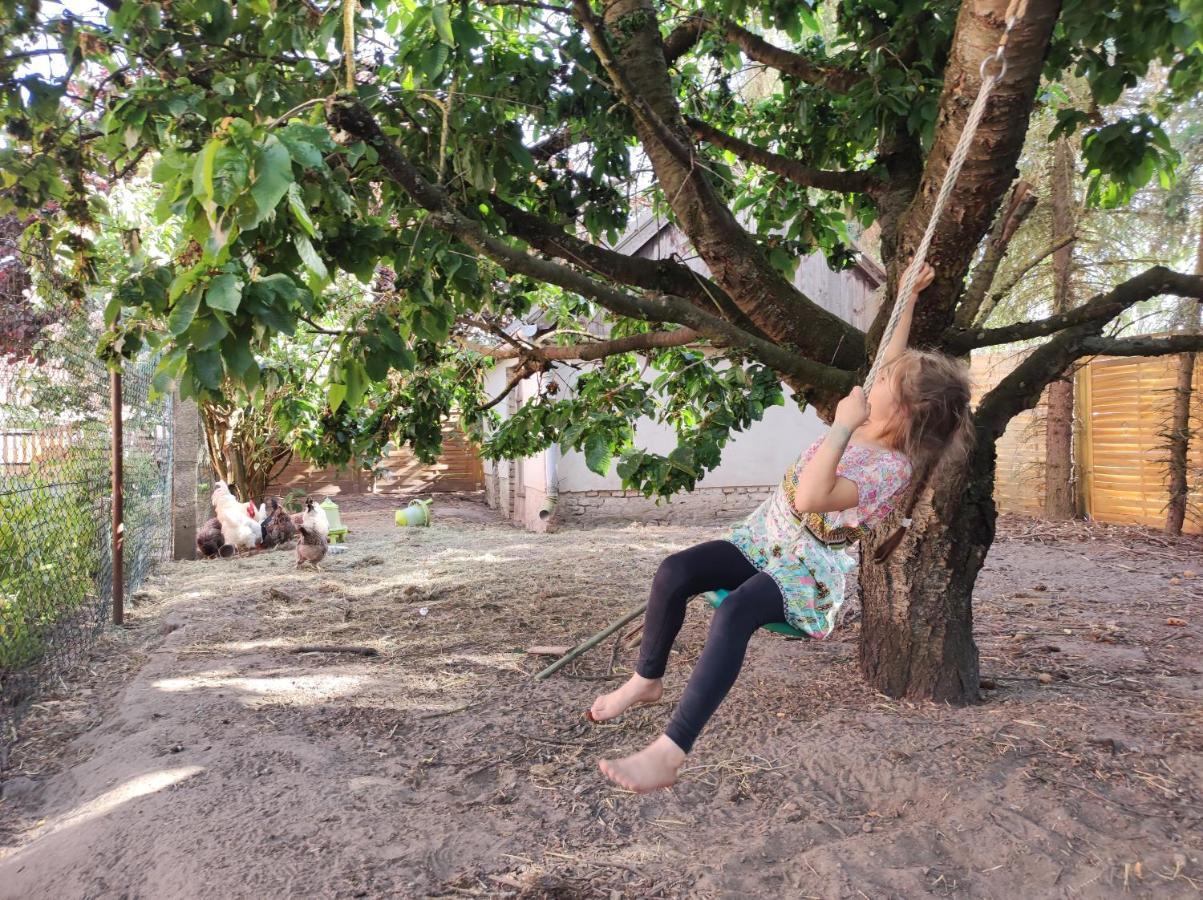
(118, 501)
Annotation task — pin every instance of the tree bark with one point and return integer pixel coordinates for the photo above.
(1058, 496)
(917, 609)
(990, 167)
(1180, 430)
(632, 53)
(1175, 515)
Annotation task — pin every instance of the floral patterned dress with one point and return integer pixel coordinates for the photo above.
(807, 555)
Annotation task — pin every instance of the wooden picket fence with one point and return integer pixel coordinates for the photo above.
(1123, 409)
(21, 449)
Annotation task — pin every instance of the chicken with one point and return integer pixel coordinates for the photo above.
(311, 548)
(278, 527)
(260, 513)
(211, 543)
(238, 528)
(313, 516)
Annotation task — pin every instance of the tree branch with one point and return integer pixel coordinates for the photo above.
(1096, 312)
(554, 143)
(1021, 204)
(834, 78)
(664, 275)
(1021, 389)
(683, 37)
(841, 182)
(1009, 285)
(737, 263)
(347, 114)
(521, 371)
(651, 340)
(989, 169)
(1143, 346)
(631, 97)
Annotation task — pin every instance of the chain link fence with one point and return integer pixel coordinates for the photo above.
(56, 496)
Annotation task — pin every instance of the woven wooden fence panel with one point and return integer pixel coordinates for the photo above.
(1130, 402)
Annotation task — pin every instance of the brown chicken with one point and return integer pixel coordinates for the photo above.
(278, 527)
(311, 548)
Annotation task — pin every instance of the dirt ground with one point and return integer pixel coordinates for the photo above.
(198, 755)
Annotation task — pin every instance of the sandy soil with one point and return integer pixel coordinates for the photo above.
(197, 755)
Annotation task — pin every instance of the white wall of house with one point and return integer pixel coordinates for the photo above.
(752, 459)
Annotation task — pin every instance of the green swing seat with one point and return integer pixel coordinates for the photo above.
(716, 598)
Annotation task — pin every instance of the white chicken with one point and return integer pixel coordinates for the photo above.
(237, 526)
(313, 517)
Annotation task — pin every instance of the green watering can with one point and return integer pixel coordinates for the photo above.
(417, 513)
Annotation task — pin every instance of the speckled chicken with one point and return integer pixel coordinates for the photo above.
(311, 548)
(278, 527)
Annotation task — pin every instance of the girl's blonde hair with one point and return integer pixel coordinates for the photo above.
(931, 424)
(931, 421)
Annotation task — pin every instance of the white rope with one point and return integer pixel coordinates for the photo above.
(955, 162)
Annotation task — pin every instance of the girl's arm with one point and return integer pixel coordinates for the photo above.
(901, 336)
(819, 489)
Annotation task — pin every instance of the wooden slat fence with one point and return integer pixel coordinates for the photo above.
(1123, 409)
(457, 469)
(1130, 402)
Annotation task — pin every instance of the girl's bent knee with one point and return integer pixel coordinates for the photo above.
(673, 572)
(730, 620)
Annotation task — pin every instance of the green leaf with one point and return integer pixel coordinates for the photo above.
(224, 293)
(202, 176)
(207, 331)
(304, 153)
(112, 310)
(335, 393)
(168, 371)
(309, 257)
(273, 175)
(183, 312)
(442, 24)
(356, 383)
(207, 368)
(597, 453)
(297, 204)
(238, 356)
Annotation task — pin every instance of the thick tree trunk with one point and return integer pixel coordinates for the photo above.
(1175, 514)
(1058, 436)
(990, 167)
(1180, 430)
(1058, 497)
(917, 609)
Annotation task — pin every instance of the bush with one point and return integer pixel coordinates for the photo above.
(51, 534)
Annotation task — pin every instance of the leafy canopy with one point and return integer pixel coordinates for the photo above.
(278, 215)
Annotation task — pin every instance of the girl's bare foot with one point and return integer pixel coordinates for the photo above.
(637, 690)
(653, 767)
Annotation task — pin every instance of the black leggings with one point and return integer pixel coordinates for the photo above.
(755, 600)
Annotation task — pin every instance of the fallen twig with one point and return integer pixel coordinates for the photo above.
(592, 642)
(334, 648)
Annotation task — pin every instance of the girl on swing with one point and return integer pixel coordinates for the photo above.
(786, 561)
